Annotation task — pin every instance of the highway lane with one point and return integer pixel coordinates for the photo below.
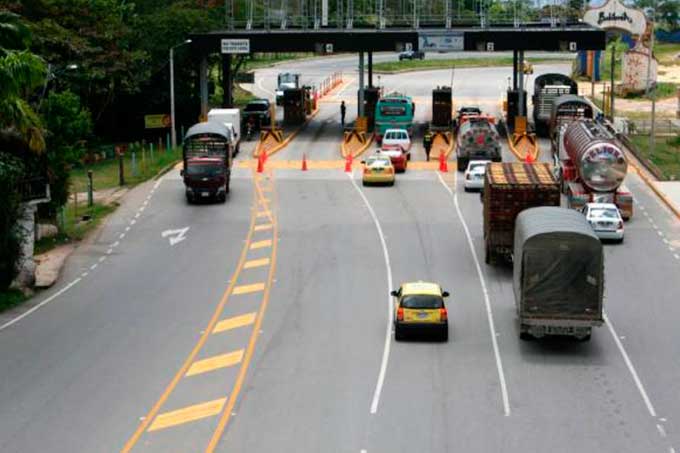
(79, 372)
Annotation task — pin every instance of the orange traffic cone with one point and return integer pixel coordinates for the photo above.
(443, 166)
(529, 159)
(260, 163)
(304, 162)
(348, 163)
(264, 156)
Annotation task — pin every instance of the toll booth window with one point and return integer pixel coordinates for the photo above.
(392, 110)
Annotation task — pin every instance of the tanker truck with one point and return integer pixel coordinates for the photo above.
(477, 139)
(592, 166)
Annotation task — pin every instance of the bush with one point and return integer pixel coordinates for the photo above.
(11, 173)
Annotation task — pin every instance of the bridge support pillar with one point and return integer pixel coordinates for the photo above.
(203, 85)
(514, 69)
(227, 82)
(370, 69)
(361, 84)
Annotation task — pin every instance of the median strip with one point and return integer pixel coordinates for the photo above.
(235, 322)
(187, 414)
(247, 289)
(215, 363)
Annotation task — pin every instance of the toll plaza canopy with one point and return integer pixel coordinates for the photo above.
(528, 36)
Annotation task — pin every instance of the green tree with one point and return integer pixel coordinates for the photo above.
(69, 125)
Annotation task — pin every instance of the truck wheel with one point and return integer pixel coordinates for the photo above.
(226, 186)
(462, 165)
(222, 198)
(445, 335)
(190, 199)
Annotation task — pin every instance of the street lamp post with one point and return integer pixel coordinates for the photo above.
(173, 132)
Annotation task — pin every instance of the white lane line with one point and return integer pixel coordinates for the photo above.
(137, 215)
(84, 274)
(127, 228)
(109, 251)
(662, 432)
(122, 235)
(388, 330)
(631, 368)
(101, 259)
(94, 266)
(487, 301)
(676, 256)
(115, 244)
(41, 304)
(133, 221)
(671, 450)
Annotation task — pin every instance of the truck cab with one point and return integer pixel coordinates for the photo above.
(285, 81)
(207, 159)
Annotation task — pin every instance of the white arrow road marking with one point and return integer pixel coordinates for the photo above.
(175, 236)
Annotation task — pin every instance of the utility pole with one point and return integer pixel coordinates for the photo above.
(651, 90)
(173, 131)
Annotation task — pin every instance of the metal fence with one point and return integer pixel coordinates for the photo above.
(662, 127)
(313, 14)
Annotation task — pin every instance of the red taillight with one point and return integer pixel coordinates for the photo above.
(443, 314)
(400, 314)
(389, 170)
(366, 170)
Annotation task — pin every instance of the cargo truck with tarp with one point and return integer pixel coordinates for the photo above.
(509, 188)
(558, 274)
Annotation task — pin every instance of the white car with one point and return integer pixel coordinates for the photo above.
(474, 175)
(397, 145)
(605, 219)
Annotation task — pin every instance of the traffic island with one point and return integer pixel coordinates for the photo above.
(355, 143)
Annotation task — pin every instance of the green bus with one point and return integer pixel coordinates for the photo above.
(393, 111)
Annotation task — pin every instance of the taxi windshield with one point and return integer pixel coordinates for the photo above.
(422, 301)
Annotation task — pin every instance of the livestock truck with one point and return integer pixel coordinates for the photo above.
(477, 139)
(231, 119)
(547, 88)
(592, 166)
(207, 158)
(510, 188)
(558, 274)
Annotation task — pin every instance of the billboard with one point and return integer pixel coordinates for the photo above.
(442, 41)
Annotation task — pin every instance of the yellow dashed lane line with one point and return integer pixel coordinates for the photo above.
(235, 322)
(263, 227)
(188, 414)
(215, 363)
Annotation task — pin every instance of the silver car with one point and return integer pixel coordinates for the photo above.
(605, 219)
(474, 175)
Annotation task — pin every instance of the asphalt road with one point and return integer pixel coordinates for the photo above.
(265, 328)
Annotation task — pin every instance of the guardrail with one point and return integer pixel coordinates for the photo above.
(662, 127)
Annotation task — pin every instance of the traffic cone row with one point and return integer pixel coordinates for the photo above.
(529, 159)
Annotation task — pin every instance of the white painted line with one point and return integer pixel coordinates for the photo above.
(659, 233)
(142, 208)
(133, 221)
(84, 274)
(631, 368)
(390, 287)
(41, 304)
(122, 235)
(671, 450)
(675, 255)
(109, 251)
(487, 301)
(127, 228)
(115, 244)
(665, 241)
(662, 432)
(101, 259)
(94, 266)
(137, 215)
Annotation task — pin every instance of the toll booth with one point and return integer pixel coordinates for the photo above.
(294, 106)
(442, 104)
(513, 107)
(371, 97)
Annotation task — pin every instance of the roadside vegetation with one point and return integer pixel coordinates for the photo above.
(10, 298)
(665, 156)
(394, 67)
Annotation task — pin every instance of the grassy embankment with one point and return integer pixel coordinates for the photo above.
(666, 154)
(392, 67)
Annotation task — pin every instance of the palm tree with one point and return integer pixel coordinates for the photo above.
(21, 73)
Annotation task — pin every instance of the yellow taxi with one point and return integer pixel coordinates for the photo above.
(378, 169)
(419, 306)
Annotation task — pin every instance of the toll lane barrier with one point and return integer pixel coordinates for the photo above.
(354, 143)
(442, 143)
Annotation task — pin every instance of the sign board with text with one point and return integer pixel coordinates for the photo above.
(159, 121)
(239, 46)
(446, 41)
(614, 15)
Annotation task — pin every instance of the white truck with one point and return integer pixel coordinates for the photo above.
(231, 119)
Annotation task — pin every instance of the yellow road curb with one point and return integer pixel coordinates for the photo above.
(448, 149)
(514, 151)
(656, 190)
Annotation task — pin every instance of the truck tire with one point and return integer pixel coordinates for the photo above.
(190, 199)
(462, 164)
(525, 336)
(226, 186)
(222, 198)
